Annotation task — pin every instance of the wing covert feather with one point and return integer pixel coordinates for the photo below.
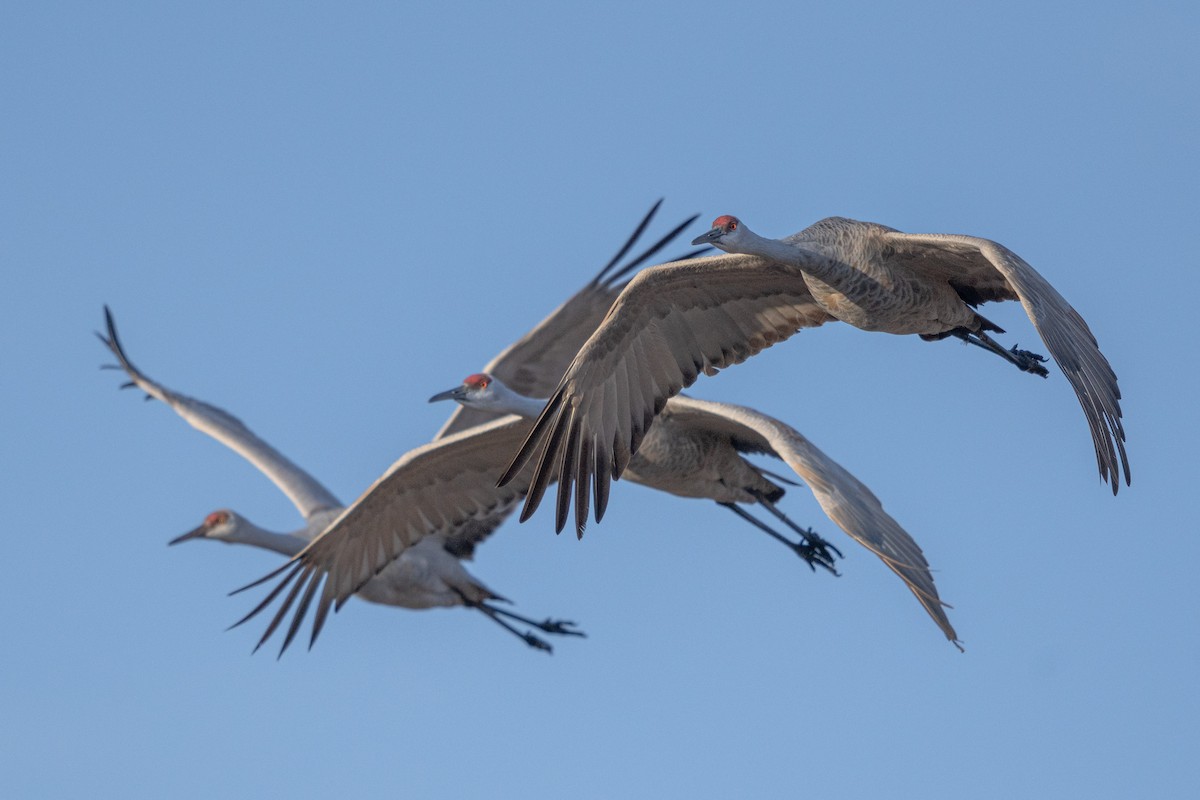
(844, 498)
(982, 263)
(669, 324)
(532, 365)
(305, 492)
(446, 488)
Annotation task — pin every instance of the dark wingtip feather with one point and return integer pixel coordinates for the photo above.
(314, 580)
(600, 480)
(544, 471)
(319, 618)
(637, 232)
(566, 473)
(266, 601)
(703, 251)
(292, 564)
(650, 252)
(535, 435)
(583, 484)
(281, 613)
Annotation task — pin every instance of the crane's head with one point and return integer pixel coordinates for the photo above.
(476, 391)
(220, 524)
(726, 233)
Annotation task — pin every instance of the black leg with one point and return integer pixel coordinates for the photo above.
(1024, 360)
(806, 551)
(527, 638)
(558, 626)
(812, 537)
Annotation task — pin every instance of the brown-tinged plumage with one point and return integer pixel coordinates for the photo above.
(438, 501)
(424, 568)
(696, 449)
(674, 322)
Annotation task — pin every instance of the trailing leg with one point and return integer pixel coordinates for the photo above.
(1024, 360)
(561, 627)
(815, 541)
(803, 549)
(549, 626)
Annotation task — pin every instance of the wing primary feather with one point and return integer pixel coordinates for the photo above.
(283, 608)
(313, 582)
(289, 564)
(274, 592)
(543, 472)
(691, 254)
(525, 452)
(319, 619)
(651, 251)
(114, 342)
(566, 474)
(600, 480)
(583, 482)
(620, 455)
(637, 232)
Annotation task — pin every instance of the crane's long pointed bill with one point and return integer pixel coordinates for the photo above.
(449, 394)
(708, 238)
(198, 533)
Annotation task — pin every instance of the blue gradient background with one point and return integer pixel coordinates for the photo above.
(318, 216)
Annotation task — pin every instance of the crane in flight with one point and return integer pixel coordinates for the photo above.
(450, 481)
(436, 489)
(695, 449)
(675, 321)
(930, 284)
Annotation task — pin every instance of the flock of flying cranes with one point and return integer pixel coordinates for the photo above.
(612, 361)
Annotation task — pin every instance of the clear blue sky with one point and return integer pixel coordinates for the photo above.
(317, 217)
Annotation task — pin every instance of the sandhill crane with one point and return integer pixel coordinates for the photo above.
(929, 284)
(427, 490)
(675, 321)
(443, 480)
(695, 450)
(533, 364)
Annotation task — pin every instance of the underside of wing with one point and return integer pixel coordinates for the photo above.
(533, 365)
(446, 488)
(845, 499)
(958, 263)
(1067, 336)
(671, 324)
(305, 492)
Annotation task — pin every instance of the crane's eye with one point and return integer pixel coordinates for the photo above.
(733, 225)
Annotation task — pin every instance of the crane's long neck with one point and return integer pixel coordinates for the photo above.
(806, 259)
(510, 402)
(286, 543)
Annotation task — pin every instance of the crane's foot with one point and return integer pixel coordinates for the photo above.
(535, 642)
(559, 626)
(817, 552)
(1028, 361)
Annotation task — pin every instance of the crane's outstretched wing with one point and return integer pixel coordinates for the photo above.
(302, 489)
(670, 324)
(983, 270)
(845, 499)
(446, 488)
(533, 364)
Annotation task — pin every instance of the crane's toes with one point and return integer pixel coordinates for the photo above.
(536, 643)
(815, 557)
(816, 551)
(822, 545)
(560, 626)
(1028, 361)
